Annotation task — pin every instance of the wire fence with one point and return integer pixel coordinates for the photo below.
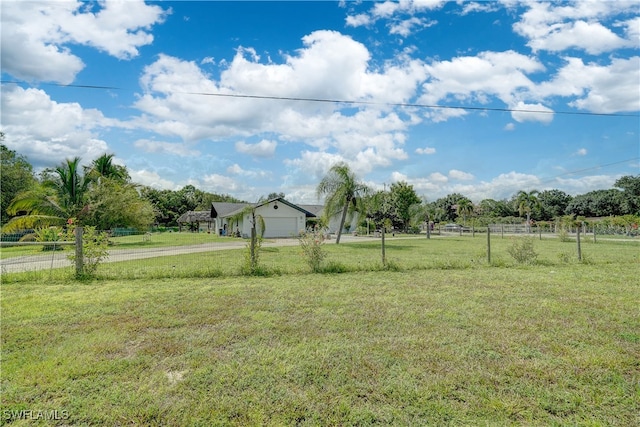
(132, 255)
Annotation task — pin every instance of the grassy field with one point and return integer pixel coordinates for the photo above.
(444, 340)
(403, 254)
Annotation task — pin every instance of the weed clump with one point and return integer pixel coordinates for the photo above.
(522, 251)
(312, 250)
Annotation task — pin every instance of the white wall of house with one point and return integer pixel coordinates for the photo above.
(280, 220)
(283, 221)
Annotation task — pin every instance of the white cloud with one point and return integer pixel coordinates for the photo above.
(574, 25)
(438, 177)
(595, 87)
(398, 177)
(408, 26)
(358, 20)
(222, 184)
(585, 184)
(501, 187)
(593, 37)
(263, 148)
(330, 65)
(460, 175)
(509, 127)
(426, 150)
(474, 78)
(169, 148)
(63, 130)
(237, 170)
(531, 112)
(402, 15)
(581, 152)
(37, 37)
(151, 179)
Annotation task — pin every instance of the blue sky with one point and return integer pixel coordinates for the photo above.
(218, 94)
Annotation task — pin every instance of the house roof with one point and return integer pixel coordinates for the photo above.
(316, 210)
(225, 210)
(195, 216)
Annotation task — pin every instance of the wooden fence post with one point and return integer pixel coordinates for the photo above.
(489, 245)
(79, 257)
(578, 242)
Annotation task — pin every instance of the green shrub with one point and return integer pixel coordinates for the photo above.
(563, 235)
(335, 268)
(46, 234)
(94, 249)
(522, 250)
(250, 266)
(564, 257)
(312, 250)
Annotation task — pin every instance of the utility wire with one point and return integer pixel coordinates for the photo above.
(351, 102)
(587, 169)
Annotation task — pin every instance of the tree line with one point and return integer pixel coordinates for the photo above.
(102, 194)
(401, 208)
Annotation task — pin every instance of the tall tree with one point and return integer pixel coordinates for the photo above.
(379, 207)
(526, 202)
(630, 186)
(597, 203)
(61, 196)
(403, 196)
(16, 177)
(553, 203)
(274, 195)
(464, 208)
(446, 205)
(342, 190)
(495, 208)
(103, 167)
(426, 212)
(117, 204)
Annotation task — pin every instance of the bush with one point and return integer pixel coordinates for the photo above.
(251, 265)
(94, 249)
(311, 245)
(45, 234)
(563, 235)
(522, 250)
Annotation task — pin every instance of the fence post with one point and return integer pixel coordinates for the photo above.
(594, 234)
(502, 231)
(578, 242)
(79, 257)
(489, 245)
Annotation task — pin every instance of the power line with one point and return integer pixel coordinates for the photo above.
(588, 169)
(351, 102)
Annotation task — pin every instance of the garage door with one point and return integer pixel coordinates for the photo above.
(280, 227)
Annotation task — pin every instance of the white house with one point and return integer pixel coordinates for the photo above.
(281, 218)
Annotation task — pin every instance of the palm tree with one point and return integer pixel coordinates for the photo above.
(103, 167)
(60, 197)
(426, 212)
(526, 203)
(342, 190)
(464, 208)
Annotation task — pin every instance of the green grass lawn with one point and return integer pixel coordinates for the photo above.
(445, 340)
(403, 254)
